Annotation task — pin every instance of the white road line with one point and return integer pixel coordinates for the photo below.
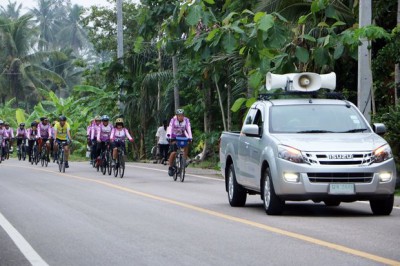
(30, 254)
(164, 171)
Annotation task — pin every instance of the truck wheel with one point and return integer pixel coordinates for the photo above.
(382, 206)
(273, 205)
(236, 193)
(332, 203)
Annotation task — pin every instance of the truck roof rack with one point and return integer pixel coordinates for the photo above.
(301, 94)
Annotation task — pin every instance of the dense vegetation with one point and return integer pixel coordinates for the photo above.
(214, 55)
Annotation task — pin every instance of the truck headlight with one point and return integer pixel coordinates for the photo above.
(382, 154)
(290, 154)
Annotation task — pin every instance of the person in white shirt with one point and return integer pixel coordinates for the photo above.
(162, 141)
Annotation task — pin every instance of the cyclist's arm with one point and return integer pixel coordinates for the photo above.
(171, 127)
(55, 132)
(69, 134)
(112, 135)
(38, 132)
(128, 135)
(188, 129)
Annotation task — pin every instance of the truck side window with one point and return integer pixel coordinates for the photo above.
(250, 117)
(259, 121)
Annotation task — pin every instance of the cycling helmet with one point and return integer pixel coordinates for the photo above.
(63, 118)
(22, 124)
(6, 124)
(45, 119)
(42, 118)
(97, 118)
(33, 124)
(1, 122)
(105, 118)
(179, 111)
(119, 121)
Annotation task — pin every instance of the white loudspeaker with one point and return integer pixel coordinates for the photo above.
(328, 81)
(306, 82)
(276, 81)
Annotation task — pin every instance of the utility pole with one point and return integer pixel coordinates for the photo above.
(397, 66)
(120, 48)
(120, 36)
(364, 63)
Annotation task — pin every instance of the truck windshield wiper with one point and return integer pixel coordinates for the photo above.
(355, 130)
(315, 131)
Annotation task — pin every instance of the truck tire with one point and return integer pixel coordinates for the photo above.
(236, 193)
(273, 205)
(382, 206)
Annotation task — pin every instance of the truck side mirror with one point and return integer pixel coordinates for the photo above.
(379, 128)
(251, 130)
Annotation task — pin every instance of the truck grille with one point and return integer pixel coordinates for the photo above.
(339, 158)
(340, 177)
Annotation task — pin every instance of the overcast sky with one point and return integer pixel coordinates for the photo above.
(85, 3)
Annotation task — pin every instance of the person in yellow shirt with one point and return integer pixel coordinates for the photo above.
(62, 133)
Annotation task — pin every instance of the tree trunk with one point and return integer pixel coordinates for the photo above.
(207, 121)
(176, 88)
(159, 86)
(221, 105)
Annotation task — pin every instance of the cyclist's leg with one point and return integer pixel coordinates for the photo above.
(114, 148)
(171, 169)
(30, 147)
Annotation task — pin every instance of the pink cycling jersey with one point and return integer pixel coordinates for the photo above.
(10, 132)
(104, 133)
(33, 134)
(120, 134)
(3, 134)
(94, 130)
(179, 129)
(44, 131)
(22, 133)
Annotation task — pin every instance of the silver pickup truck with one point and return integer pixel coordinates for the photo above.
(308, 149)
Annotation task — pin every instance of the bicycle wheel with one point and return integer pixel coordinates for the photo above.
(103, 164)
(121, 165)
(176, 165)
(60, 160)
(42, 158)
(63, 161)
(19, 153)
(23, 147)
(109, 165)
(182, 168)
(116, 166)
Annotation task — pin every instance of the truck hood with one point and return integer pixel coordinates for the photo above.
(331, 142)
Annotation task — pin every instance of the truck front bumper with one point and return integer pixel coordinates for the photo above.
(317, 182)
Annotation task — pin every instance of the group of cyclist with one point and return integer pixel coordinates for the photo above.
(100, 133)
(47, 136)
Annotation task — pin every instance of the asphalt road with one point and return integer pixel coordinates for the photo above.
(84, 218)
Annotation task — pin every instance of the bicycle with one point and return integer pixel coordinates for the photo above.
(44, 155)
(7, 148)
(1, 148)
(180, 160)
(119, 167)
(35, 153)
(105, 163)
(61, 156)
(21, 151)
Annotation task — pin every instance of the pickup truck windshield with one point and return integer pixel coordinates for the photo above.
(315, 119)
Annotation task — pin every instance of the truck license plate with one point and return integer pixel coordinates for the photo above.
(338, 189)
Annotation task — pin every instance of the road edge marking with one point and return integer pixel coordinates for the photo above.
(26, 249)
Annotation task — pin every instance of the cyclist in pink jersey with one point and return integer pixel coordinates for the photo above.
(179, 126)
(118, 136)
(44, 134)
(103, 134)
(3, 136)
(21, 135)
(33, 136)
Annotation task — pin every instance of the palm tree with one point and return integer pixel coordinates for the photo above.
(11, 11)
(72, 33)
(23, 71)
(45, 17)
